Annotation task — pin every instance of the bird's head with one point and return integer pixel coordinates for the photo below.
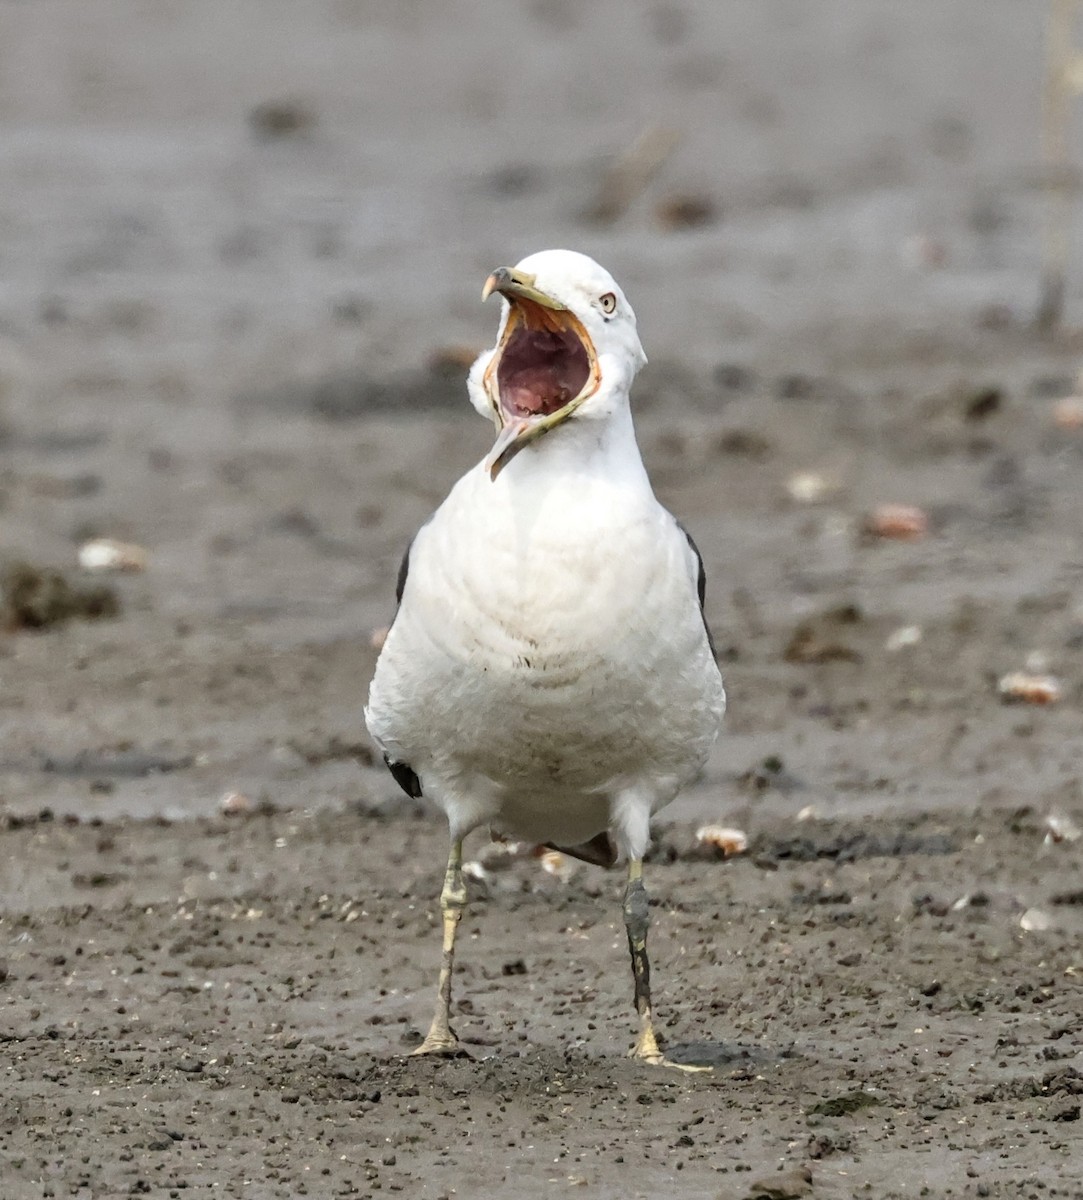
(567, 347)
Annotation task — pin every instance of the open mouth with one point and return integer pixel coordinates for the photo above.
(543, 369)
(545, 362)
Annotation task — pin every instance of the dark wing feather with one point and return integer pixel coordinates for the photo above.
(404, 570)
(599, 851)
(701, 586)
(402, 774)
(405, 778)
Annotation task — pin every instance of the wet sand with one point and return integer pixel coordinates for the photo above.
(230, 334)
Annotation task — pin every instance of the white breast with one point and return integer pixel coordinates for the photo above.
(548, 655)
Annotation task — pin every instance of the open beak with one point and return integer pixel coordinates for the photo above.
(518, 285)
(544, 367)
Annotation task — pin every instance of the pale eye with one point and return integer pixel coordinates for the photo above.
(608, 302)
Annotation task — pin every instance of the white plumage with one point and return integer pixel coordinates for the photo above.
(548, 672)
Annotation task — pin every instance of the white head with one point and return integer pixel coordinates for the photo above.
(567, 347)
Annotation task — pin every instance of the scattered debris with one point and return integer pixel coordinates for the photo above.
(1035, 921)
(557, 864)
(809, 813)
(847, 845)
(769, 773)
(900, 639)
(235, 804)
(498, 855)
(808, 645)
(107, 554)
(1022, 687)
(810, 487)
(39, 597)
(631, 173)
(848, 1102)
(474, 870)
(822, 1145)
(1061, 828)
(897, 522)
(727, 842)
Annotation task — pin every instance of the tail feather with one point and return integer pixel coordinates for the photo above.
(599, 851)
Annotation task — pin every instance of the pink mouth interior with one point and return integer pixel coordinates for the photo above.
(541, 370)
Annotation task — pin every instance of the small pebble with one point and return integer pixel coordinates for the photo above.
(808, 487)
(907, 635)
(1068, 413)
(728, 841)
(235, 804)
(898, 522)
(1024, 688)
(1061, 828)
(107, 554)
(472, 869)
(557, 864)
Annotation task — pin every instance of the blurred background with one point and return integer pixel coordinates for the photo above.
(242, 245)
(241, 250)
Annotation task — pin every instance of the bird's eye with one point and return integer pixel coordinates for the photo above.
(608, 302)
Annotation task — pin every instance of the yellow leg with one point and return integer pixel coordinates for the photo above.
(441, 1038)
(637, 922)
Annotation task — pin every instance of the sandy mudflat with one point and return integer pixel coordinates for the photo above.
(225, 334)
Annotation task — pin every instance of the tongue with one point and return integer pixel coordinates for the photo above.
(535, 390)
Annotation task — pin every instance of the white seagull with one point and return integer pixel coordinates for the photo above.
(549, 672)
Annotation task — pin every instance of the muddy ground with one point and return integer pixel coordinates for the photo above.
(240, 252)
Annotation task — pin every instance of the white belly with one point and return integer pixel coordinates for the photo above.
(546, 660)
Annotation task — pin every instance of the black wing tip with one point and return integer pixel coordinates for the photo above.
(404, 570)
(405, 777)
(599, 851)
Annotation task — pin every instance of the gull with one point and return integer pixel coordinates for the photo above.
(549, 672)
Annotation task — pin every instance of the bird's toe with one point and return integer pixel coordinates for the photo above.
(444, 1045)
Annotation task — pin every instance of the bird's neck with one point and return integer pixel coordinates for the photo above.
(594, 447)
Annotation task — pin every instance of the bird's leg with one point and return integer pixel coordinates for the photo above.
(441, 1038)
(637, 921)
